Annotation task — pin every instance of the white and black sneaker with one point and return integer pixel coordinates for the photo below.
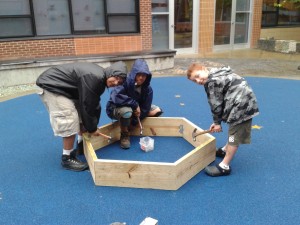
(70, 162)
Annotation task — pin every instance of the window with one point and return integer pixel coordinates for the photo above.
(286, 15)
(34, 18)
(121, 19)
(88, 16)
(289, 14)
(51, 17)
(15, 18)
(160, 24)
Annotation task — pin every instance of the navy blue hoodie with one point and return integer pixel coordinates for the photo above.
(126, 95)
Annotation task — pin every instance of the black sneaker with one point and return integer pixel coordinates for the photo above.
(79, 148)
(220, 153)
(70, 162)
(215, 171)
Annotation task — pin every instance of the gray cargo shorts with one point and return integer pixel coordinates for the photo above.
(240, 133)
(63, 112)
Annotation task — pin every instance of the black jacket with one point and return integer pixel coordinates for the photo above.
(80, 81)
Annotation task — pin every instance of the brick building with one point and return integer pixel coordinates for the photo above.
(67, 28)
(37, 29)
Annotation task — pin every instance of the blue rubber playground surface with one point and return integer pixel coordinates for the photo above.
(264, 187)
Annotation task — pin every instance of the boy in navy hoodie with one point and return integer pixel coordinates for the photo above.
(132, 100)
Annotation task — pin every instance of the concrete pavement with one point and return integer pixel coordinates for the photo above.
(246, 62)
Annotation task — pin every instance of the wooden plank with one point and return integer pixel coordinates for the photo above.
(159, 126)
(195, 161)
(188, 128)
(162, 121)
(170, 131)
(90, 156)
(135, 174)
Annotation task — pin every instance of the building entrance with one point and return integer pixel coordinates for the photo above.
(232, 24)
(174, 25)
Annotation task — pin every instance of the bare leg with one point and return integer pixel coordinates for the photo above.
(230, 152)
(68, 142)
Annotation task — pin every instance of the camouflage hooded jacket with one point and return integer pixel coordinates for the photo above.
(230, 97)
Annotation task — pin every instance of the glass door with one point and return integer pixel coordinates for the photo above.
(160, 24)
(242, 20)
(232, 18)
(183, 24)
(174, 26)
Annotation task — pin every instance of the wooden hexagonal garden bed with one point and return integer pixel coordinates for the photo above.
(155, 175)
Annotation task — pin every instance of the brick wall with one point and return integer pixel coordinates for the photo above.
(36, 48)
(256, 22)
(104, 45)
(206, 26)
(146, 24)
(26, 49)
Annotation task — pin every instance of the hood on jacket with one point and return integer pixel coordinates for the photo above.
(117, 69)
(220, 71)
(139, 66)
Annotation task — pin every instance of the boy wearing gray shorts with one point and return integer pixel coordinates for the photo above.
(232, 101)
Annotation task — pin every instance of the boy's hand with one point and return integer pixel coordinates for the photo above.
(215, 128)
(98, 133)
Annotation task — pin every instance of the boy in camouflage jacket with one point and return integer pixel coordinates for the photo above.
(232, 101)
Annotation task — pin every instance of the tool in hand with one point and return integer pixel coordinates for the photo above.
(88, 136)
(141, 127)
(194, 135)
(104, 135)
